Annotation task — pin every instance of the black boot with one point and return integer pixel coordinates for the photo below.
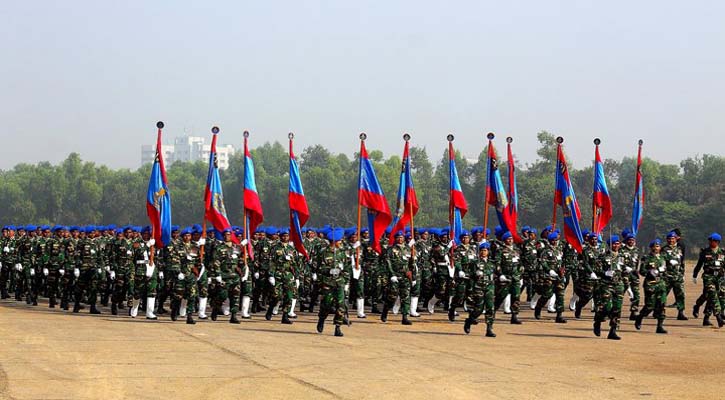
(77, 307)
(613, 334)
(515, 319)
(720, 321)
(374, 309)
(4, 294)
(559, 318)
(320, 324)
(234, 319)
(632, 316)
(104, 300)
(94, 310)
(578, 311)
(51, 302)
(537, 312)
(114, 308)
(489, 331)
(638, 321)
(285, 319)
(174, 310)
(706, 321)
(384, 314)
(406, 321)
(696, 311)
(338, 331)
(467, 326)
(681, 316)
(190, 319)
(452, 313)
(214, 313)
(597, 328)
(268, 315)
(660, 328)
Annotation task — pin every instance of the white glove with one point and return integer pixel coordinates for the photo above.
(394, 279)
(256, 275)
(450, 244)
(553, 274)
(461, 274)
(448, 260)
(347, 288)
(271, 280)
(6, 249)
(113, 275)
(151, 242)
(218, 279)
(61, 272)
(314, 277)
(503, 278)
(413, 283)
(161, 274)
(234, 256)
(356, 245)
(108, 268)
(593, 276)
(628, 269)
(654, 272)
(244, 242)
(180, 276)
(411, 243)
(208, 281)
(674, 262)
(694, 280)
(288, 257)
(45, 271)
(93, 251)
(201, 242)
(609, 274)
(18, 267)
(32, 271)
(76, 272)
(99, 270)
(297, 283)
(149, 270)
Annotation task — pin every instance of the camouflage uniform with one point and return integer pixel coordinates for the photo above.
(652, 268)
(631, 280)
(88, 260)
(54, 260)
(463, 256)
(712, 263)
(610, 291)
(283, 268)
(482, 292)
(332, 268)
(675, 276)
(508, 260)
(225, 279)
(552, 279)
(399, 280)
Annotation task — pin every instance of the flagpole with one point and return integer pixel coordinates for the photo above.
(490, 137)
(362, 137)
(594, 183)
(152, 249)
(214, 131)
(451, 208)
(406, 137)
(244, 208)
(559, 141)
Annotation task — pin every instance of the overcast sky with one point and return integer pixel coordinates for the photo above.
(95, 76)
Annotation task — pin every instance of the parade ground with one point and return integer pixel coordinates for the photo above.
(52, 354)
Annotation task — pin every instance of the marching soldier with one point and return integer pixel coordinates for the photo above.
(508, 261)
(712, 264)
(482, 276)
(225, 277)
(332, 266)
(652, 268)
(463, 255)
(282, 276)
(609, 270)
(551, 277)
(675, 274)
(399, 278)
(87, 266)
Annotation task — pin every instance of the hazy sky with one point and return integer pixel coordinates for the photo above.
(95, 76)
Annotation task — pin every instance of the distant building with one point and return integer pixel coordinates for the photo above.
(188, 149)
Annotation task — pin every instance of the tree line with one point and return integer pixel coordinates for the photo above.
(687, 196)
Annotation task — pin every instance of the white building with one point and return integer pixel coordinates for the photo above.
(189, 149)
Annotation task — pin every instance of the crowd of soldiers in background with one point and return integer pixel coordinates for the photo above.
(425, 270)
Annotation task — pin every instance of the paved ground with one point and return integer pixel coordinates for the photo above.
(51, 354)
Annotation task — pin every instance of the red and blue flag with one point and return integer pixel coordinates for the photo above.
(457, 205)
(513, 195)
(298, 211)
(158, 199)
(407, 201)
(252, 205)
(497, 195)
(372, 197)
(214, 210)
(601, 202)
(638, 206)
(564, 196)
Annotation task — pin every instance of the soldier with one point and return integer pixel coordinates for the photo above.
(5, 263)
(332, 266)
(463, 255)
(87, 270)
(609, 269)
(202, 279)
(551, 277)
(144, 276)
(482, 275)
(585, 285)
(121, 268)
(262, 251)
(172, 254)
(25, 274)
(53, 259)
(675, 274)
(630, 277)
(225, 278)
(400, 276)
(67, 280)
(424, 277)
(712, 263)
(380, 275)
(185, 285)
(443, 270)
(282, 269)
(652, 268)
(508, 261)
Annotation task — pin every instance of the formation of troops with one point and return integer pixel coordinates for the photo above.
(212, 274)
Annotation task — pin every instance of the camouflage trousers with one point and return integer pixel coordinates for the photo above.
(426, 282)
(333, 301)
(584, 288)
(285, 290)
(611, 296)
(444, 284)
(632, 283)
(655, 298)
(480, 301)
(202, 284)
(505, 288)
(677, 286)
(228, 288)
(549, 287)
(379, 283)
(395, 289)
(141, 286)
(460, 289)
(52, 284)
(67, 283)
(121, 287)
(714, 291)
(357, 287)
(87, 284)
(184, 289)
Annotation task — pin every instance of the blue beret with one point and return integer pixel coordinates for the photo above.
(655, 242)
(20, 228)
(476, 229)
(715, 237)
(613, 239)
(498, 230)
(398, 233)
(186, 231)
(45, 227)
(547, 228)
(464, 233)
(335, 234)
(484, 245)
(364, 230)
(227, 229)
(533, 230)
(350, 231)
(445, 231)
(136, 229)
(671, 234)
(283, 231)
(31, 227)
(270, 230)
(174, 228)
(553, 236)
(57, 228)
(506, 235)
(217, 235)
(89, 229)
(146, 229)
(526, 228)
(488, 231)
(119, 231)
(259, 229)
